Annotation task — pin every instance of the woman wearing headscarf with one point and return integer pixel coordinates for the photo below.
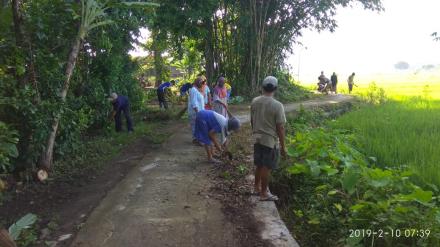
(221, 98)
(196, 103)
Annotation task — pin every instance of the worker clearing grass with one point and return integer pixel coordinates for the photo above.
(208, 125)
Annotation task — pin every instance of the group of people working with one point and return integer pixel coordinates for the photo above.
(185, 89)
(209, 117)
(267, 120)
(326, 85)
(211, 124)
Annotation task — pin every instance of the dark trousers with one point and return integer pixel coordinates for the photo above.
(334, 86)
(118, 122)
(350, 88)
(162, 100)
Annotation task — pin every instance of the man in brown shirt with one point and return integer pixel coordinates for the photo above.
(267, 119)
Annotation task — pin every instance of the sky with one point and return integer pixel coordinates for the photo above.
(371, 43)
(366, 42)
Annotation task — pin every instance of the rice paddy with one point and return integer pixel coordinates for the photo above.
(403, 132)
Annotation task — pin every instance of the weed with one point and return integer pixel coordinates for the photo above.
(97, 150)
(23, 231)
(242, 169)
(226, 175)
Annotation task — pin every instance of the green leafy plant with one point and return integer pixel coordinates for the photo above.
(328, 187)
(8, 148)
(242, 169)
(226, 175)
(23, 223)
(374, 94)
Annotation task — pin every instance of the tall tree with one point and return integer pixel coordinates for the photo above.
(93, 15)
(248, 39)
(23, 42)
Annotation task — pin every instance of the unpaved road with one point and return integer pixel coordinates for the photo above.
(164, 201)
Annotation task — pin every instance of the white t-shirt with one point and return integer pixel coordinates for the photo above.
(223, 122)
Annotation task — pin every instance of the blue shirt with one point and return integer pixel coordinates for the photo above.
(163, 86)
(185, 88)
(206, 96)
(120, 103)
(210, 121)
(195, 101)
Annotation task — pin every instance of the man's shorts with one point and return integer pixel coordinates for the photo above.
(265, 156)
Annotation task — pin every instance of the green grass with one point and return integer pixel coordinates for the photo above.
(402, 90)
(404, 132)
(97, 150)
(396, 85)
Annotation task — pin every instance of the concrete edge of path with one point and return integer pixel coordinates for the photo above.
(274, 230)
(273, 227)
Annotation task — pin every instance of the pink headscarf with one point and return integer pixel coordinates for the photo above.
(221, 91)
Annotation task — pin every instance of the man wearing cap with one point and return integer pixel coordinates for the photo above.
(267, 119)
(121, 105)
(208, 125)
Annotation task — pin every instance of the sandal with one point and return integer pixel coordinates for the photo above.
(269, 198)
(215, 161)
(255, 193)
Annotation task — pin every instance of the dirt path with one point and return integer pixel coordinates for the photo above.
(164, 200)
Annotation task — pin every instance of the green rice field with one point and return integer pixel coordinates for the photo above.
(402, 132)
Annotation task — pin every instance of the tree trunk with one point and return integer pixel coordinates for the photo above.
(19, 33)
(157, 48)
(47, 156)
(209, 52)
(23, 42)
(5, 239)
(158, 70)
(18, 19)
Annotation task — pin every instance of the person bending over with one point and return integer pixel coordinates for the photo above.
(161, 93)
(121, 105)
(209, 124)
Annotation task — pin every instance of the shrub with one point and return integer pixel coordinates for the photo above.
(8, 148)
(374, 94)
(331, 189)
(288, 91)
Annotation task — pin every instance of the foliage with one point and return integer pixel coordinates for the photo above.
(103, 67)
(8, 148)
(245, 40)
(288, 91)
(97, 150)
(374, 94)
(28, 237)
(23, 223)
(189, 59)
(331, 187)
